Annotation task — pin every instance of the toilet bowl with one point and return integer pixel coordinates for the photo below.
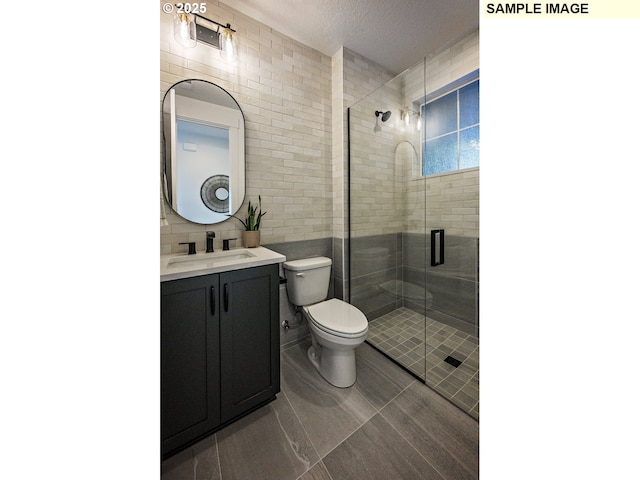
(336, 327)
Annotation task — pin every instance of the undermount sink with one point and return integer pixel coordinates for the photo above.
(210, 259)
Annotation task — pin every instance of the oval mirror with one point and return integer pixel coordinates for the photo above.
(204, 164)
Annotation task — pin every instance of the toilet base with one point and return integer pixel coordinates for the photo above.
(338, 367)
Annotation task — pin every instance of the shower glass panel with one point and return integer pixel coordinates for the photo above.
(423, 313)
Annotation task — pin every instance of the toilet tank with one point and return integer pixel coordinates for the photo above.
(307, 280)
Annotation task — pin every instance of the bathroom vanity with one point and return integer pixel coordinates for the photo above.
(219, 340)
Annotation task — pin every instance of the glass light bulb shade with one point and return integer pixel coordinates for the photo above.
(184, 29)
(228, 45)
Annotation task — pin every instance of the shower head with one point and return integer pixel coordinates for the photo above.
(385, 115)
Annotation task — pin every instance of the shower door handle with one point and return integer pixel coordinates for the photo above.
(437, 247)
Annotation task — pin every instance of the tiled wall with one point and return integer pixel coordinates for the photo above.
(449, 291)
(387, 159)
(284, 90)
(393, 270)
(354, 77)
(294, 100)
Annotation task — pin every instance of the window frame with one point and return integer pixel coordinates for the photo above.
(451, 87)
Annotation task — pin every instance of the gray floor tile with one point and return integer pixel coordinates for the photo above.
(329, 414)
(318, 472)
(378, 452)
(378, 379)
(444, 435)
(199, 462)
(268, 443)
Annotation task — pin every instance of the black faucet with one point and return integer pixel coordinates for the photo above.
(225, 243)
(192, 247)
(210, 237)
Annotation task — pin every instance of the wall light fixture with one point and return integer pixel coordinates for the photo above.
(184, 29)
(407, 115)
(190, 28)
(228, 43)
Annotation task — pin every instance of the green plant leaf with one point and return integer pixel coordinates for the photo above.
(254, 216)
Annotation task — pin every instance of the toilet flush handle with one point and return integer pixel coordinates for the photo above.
(299, 274)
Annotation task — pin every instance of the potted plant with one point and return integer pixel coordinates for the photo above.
(251, 234)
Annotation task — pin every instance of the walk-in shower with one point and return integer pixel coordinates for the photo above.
(413, 237)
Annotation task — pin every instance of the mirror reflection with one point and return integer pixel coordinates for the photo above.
(204, 164)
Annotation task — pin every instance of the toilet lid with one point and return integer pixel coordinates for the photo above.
(337, 316)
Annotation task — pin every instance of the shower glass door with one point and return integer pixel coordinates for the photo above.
(387, 228)
(413, 269)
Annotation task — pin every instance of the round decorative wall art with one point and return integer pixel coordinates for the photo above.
(215, 193)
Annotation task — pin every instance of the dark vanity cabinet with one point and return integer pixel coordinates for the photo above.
(219, 351)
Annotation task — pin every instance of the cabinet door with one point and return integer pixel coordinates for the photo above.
(190, 362)
(250, 356)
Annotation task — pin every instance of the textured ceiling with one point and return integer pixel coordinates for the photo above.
(395, 34)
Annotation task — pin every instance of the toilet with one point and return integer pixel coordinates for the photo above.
(337, 327)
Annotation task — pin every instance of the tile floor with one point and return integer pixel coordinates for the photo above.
(387, 426)
(401, 335)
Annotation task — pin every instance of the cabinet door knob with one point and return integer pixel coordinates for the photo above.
(226, 297)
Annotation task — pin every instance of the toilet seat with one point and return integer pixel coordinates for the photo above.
(338, 318)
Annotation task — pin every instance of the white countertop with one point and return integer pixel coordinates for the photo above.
(177, 266)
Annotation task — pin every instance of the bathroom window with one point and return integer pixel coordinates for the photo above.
(451, 118)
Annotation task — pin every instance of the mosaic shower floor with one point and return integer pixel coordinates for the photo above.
(401, 335)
